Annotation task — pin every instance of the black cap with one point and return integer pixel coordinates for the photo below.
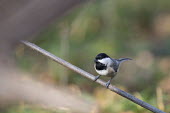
(101, 56)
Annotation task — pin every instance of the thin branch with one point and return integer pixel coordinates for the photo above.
(92, 77)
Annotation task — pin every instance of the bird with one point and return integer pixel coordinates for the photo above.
(107, 66)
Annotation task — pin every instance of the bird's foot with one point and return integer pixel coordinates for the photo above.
(107, 84)
(96, 77)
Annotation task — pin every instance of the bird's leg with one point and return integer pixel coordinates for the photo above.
(97, 77)
(108, 83)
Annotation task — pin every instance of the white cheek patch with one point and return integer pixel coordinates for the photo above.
(105, 60)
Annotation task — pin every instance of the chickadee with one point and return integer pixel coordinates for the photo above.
(106, 66)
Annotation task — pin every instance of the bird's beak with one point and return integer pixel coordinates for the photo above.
(95, 60)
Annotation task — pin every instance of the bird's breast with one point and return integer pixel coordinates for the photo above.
(106, 72)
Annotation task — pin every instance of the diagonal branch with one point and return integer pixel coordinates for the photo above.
(92, 77)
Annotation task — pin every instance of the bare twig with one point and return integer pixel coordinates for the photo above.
(92, 77)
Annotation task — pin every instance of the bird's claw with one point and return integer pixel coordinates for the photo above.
(107, 84)
(96, 77)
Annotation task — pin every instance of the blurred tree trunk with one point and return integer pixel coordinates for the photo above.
(22, 19)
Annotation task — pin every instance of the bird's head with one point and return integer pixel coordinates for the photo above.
(100, 57)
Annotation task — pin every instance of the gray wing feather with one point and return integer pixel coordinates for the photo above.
(115, 64)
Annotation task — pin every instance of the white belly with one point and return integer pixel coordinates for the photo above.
(109, 72)
(102, 72)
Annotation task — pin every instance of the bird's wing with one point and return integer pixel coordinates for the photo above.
(115, 64)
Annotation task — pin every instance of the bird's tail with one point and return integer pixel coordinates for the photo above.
(123, 59)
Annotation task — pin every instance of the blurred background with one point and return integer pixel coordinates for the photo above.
(136, 29)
